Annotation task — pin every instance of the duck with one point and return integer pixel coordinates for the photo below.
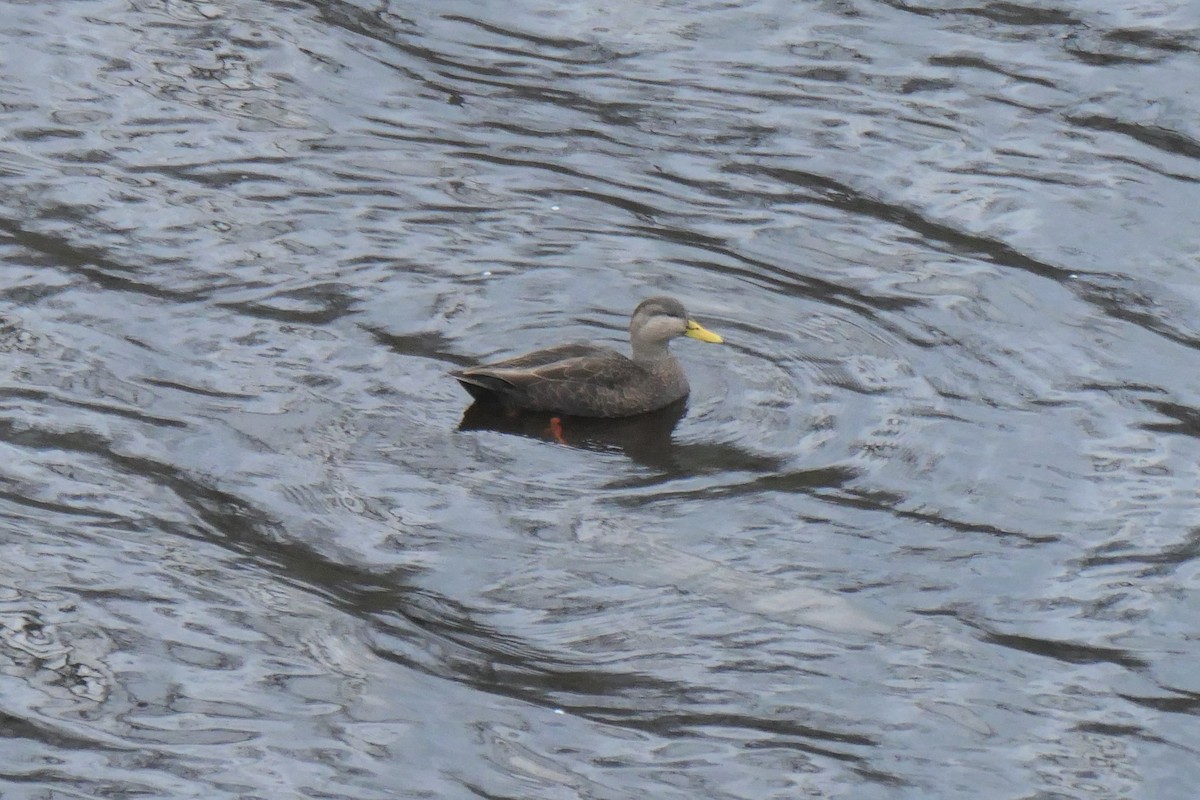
(588, 380)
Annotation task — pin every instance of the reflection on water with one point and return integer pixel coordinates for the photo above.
(928, 527)
(645, 438)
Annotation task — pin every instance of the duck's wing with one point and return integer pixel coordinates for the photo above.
(572, 379)
(598, 368)
(548, 357)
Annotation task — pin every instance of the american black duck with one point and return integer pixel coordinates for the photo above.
(586, 380)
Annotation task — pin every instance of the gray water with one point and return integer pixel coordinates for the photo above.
(929, 527)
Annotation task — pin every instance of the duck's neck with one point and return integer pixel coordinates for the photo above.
(650, 352)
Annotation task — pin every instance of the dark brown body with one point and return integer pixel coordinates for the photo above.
(578, 379)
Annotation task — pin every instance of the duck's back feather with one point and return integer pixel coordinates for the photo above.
(577, 379)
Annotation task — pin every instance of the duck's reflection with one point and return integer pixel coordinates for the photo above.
(645, 438)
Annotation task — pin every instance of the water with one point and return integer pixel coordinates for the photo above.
(928, 527)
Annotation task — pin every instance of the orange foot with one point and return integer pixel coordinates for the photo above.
(556, 430)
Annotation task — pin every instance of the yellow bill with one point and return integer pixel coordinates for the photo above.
(698, 331)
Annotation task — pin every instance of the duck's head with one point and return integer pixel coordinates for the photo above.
(657, 320)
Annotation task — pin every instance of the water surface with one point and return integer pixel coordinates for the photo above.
(928, 526)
